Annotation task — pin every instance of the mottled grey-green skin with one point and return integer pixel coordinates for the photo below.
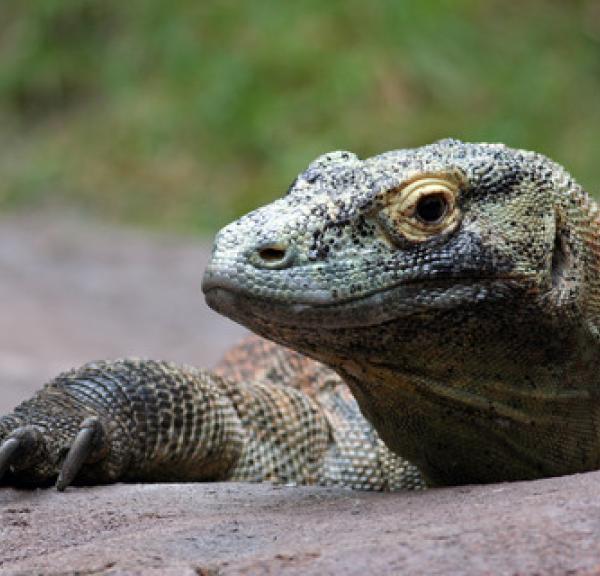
(474, 354)
(471, 348)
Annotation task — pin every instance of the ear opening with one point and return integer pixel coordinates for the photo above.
(565, 270)
(560, 258)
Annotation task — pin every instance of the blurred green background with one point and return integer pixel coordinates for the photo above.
(183, 114)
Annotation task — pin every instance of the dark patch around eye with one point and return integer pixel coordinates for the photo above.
(431, 209)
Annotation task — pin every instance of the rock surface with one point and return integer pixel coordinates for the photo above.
(71, 292)
(545, 527)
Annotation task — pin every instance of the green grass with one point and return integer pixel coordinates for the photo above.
(185, 114)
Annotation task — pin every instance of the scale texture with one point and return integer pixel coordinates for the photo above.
(427, 316)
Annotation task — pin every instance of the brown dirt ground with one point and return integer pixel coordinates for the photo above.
(72, 291)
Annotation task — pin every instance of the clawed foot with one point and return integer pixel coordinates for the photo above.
(127, 419)
(29, 456)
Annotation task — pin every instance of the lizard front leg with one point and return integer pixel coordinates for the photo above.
(123, 420)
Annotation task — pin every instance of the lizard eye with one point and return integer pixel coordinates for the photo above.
(431, 209)
(423, 207)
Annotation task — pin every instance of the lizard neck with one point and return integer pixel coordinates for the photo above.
(513, 399)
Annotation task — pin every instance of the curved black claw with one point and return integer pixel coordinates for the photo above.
(85, 448)
(19, 445)
(8, 449)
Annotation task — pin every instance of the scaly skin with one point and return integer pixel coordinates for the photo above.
(454, 288)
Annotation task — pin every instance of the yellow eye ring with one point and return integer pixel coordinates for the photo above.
(424, 207)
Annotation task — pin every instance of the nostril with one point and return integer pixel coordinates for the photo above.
(273, 255)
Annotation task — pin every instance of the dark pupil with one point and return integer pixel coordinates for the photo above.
(431, 209)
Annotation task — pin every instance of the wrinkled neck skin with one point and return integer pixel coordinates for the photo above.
(486, 392)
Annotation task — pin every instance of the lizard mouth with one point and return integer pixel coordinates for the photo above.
(371, 309)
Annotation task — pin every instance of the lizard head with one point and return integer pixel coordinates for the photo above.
(357, 244)
(452, 286)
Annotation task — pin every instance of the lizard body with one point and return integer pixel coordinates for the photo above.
(452, 289)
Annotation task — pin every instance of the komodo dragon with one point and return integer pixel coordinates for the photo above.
(433, 317)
